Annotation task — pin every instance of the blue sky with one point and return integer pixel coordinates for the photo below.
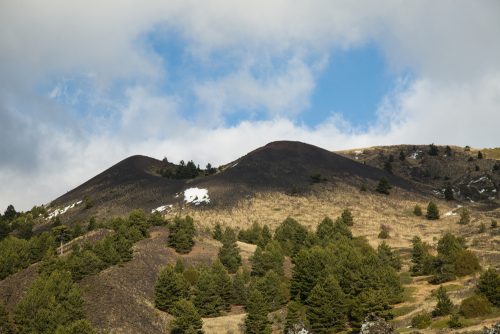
(87, 84)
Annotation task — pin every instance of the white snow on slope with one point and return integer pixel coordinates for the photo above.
(452, 212)
(166, 207)
(196, 196)
(60, 211)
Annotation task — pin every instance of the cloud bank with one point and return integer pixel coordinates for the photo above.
(82, 86)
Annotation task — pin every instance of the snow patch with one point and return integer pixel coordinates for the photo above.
(358, 152)
(60, 211)
(196, 196)
(162, 208)
(452, 212)
(416, 155)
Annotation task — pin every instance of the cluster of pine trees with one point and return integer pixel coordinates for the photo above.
(336, 279)
(452, 259)
(53, 303)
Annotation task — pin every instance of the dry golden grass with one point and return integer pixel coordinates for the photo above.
(225, 324)
(369, 209)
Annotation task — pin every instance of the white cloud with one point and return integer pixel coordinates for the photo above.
(450, 47)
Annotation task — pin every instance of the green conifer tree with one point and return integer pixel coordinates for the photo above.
(444, 305)
(388, 257)
(207, 298)
(271, 258)
(432, 211)
(256, 321)
(187, 319)
(326, 307)
(217, 234)
(229, 253)
(170, 287)
(383, 186)
(347, 217)
(489, 286)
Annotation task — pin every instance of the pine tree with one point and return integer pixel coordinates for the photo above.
(256, 321)
(479, 155)
(229, 253)
(239, 289)
(217, 235)
(181, 235)
(444, 305)
(274, 290)
(223, 283)
(433, 149)
(295, 316)
(170, 287)
(265, 236)
(187, 319)
(326, 307)
(489, 286)
(207, 298)
(347, 217)
(50, 302)
(291, 236)
(271, 258)
(383, 186)
(388, 257)
(402, 155)
(432, 211)
(420, 257)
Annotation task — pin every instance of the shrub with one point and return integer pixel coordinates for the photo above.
(480, 155)
(475, 306)
(482, 228)
(384, 232)
(489, 286)
(421, 320)
(402, 155)
(417, 210)
(464, 217)
(494, 223)
(432, 211)
(217, 233)
(383, 186)
(455, 322)
(433, 149)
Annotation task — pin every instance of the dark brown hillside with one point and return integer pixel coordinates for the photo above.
(284, 166)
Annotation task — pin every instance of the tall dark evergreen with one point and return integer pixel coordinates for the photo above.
(444, 305)
(388, 257)
(207, 298)
(432, 211)
(489, 286)
(433, 149)
(326, 307)
(291, 236)
(170, 287)
(187, 319)
(50, 302)
(347, 217)
(269, 258)
(420, 257)
(229, 253)
(181, 235)
(383, 186)
(256, 321)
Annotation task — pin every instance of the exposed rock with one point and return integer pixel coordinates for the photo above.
(376, 325)
(493, 330)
